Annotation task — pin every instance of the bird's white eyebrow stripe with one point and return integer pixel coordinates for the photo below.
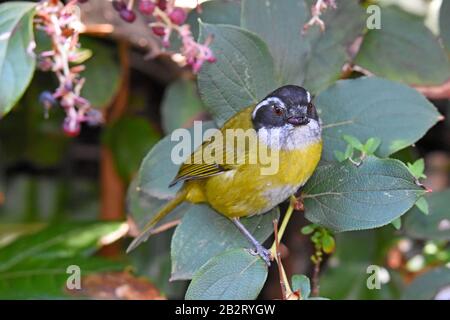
(308, 95)
(265, 102)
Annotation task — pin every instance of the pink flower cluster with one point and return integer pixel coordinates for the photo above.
(62, 24)
(168, 19)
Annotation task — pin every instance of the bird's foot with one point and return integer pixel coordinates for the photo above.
(263, 253)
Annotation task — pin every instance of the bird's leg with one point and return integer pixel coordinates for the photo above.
(259, 249)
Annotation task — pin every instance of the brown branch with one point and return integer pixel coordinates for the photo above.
(166, 226)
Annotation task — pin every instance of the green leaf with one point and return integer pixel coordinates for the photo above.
(397, 223)
(372, 145)
(330, 49)
(308, 229)
(158, 170)
(17, 64)
(129, 139)
(180, 105)
(215, 12)
(422, 205)
(102, 73)
(233, 275)
(328, 243)
(301, 284)
(404, 50)
(279, 23)
(344, 197)
(435, 225)
(204, 233)
(348, 152)
(356, 107)
(340, 156)
(56, 242)
(354, 142)
(47, 279)
(434, 284)
(444, 24)
(417, 168)
(314, 59)
(242, 75)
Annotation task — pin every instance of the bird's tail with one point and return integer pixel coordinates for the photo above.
(148, 228)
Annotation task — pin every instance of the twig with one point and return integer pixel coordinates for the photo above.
(286, 290)
(316, 11)
(166, 226)
(315, 279)
(284, 223)
(281, 272)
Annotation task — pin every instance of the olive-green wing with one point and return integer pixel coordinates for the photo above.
(202, 164)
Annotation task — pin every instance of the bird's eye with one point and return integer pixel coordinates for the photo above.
(278, 111)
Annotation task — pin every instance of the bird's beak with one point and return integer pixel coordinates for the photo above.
(297, 116)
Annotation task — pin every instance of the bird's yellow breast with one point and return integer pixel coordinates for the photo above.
(245, 191)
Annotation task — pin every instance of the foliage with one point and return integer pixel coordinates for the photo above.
(35, 265)
(341, 196)
(252, 47)
(16, 63)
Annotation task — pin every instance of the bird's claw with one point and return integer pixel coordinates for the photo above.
(263, 253)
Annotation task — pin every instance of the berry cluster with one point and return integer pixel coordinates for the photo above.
(62, 25)
(168, 19)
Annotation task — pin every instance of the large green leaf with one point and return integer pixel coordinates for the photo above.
(16, 62)
(129, 139)
(279, 24)
(102, 73)
(45, 279)
(55, 242)
(242, 75)
(233, 275)
(330, 49)
(344, 197)
(314, 59)
(434, 284)
(180, 105)
(444, 24)
(373, 107)
(204, 233)
(436, 225)
(158, 170)
(404, 50)
(216, 12)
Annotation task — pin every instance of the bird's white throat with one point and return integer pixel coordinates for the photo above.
(289, 137)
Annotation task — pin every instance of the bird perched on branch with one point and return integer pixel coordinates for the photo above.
(280, 148)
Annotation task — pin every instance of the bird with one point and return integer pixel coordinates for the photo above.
(231, 179)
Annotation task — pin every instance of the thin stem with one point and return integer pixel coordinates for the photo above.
(315, 279)
(284, 224)
(278, 259)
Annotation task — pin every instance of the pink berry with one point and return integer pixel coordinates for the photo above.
(178, 16)
(128, 15)
(146, 7)
(162, 4)
(119, 5)
(159, 31)
(71, 128)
